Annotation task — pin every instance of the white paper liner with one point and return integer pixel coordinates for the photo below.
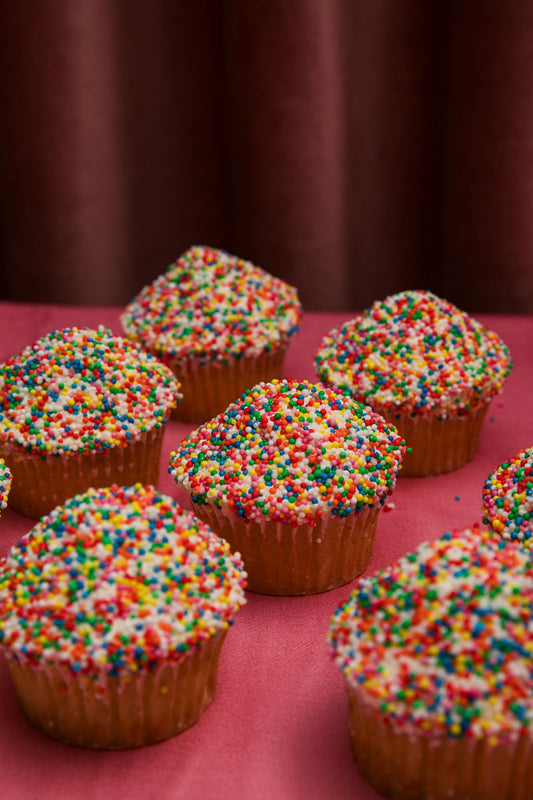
(284, 560)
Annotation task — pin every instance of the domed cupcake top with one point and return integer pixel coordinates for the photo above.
(82, 389)
(415, 352)
(116, 579)
(507, 498)
(292, 451)
(210, 305)
(5, 484)
(441, 639)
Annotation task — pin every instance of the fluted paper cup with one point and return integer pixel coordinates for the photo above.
(41, 482)
(438, 446)
(405, 763)
(282, 559)
(208, 388)
(127, 711)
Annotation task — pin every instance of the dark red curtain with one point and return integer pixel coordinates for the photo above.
(352, 147)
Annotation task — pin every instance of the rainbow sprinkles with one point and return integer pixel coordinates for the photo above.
(415, 352)
(5, 484)
(79, 389)
(115, 581)
(507, 499)
(292, 451)
(212, 306)
(440, 641)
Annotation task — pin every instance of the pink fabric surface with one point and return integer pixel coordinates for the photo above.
(278, 727)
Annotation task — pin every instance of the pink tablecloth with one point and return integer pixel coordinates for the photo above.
(278, 727)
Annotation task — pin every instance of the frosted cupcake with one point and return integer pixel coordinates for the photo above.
(81, 408)
(113, 612)
(293, 475)
(436, 653)
(5, 484)
(424, 365)
(221, 324)
(507, 499)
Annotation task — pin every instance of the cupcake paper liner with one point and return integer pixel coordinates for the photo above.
(113, 713)
(409, 764)
(42, 482)
(281, 559)
(437, 446)
(209, 388)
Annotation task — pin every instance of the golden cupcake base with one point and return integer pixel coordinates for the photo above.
(209, 388)
(41, 482)
(114, 713)
(406, 763)
(282, 559)
(437, 446)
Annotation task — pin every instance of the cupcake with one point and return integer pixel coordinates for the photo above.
(293, 475)
(424, 365)
(5, 484)
(507, 499)
(436, 654)
(81, 408)
(113, 612)
(220, 323)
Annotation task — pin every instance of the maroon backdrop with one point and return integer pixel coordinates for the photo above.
(352, 147)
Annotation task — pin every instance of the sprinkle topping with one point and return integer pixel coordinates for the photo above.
(210, 305)
(5, 484)
(441, 639)
(116, 580)
(415, 352)
(290, 451)
(79, 389)
(507, 499)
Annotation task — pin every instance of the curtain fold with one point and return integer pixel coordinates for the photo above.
(486, 224)
(354, 148)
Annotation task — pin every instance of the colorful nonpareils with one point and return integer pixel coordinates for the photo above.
(292, 451)
(507, 499)
(79, 390)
